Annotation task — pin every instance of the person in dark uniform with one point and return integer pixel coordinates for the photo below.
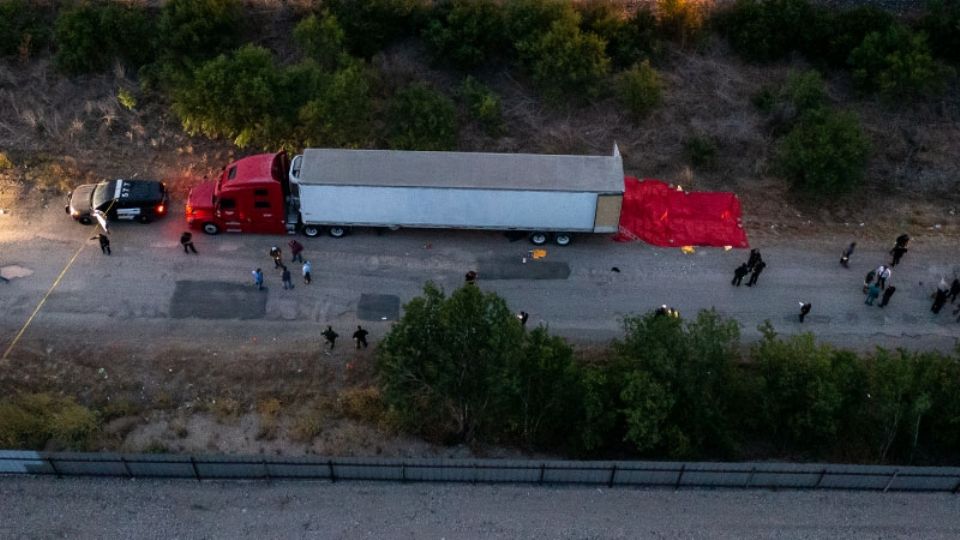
(186, 240)
(360, 337)
(523, 316)
(757, 268)
(805, 308)
(754, 258)
(739, 273)
(104, 243)
(330, 337)
(887, 294)
(471, 278)
(847, 253)
(897, 252)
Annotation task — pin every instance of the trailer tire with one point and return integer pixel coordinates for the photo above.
(336, 231)
(538, 238)
(311, 231)
(563, 239)
(211, 228)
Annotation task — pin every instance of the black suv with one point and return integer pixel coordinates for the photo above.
(141, 200)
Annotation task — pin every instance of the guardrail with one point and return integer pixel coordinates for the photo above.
(488, 471)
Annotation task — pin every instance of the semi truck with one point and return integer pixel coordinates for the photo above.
(548, 197)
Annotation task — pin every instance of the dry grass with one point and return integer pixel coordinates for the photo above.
(268, 411)
(309, 423)
(225, 409)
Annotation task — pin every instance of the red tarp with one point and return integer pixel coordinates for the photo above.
(659, 215)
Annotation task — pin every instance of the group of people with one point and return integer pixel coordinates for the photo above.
(330, 337)
(296, 249)
(754, 266)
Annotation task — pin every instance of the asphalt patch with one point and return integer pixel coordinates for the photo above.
(378, 307)
(217, 300)
(515, 268)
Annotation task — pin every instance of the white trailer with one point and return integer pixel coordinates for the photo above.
(545, 195)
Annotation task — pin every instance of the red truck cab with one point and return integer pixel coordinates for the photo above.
(250, 197)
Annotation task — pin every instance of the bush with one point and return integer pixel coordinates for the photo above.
(32, 421)
(804, 91)
(466, 33)
(825, 154)
(640, 89)
(214, 104)
(841, 32)
(629, 39)
(321, 39)
(420, 118)
(90, 37)
(564, 61)
(24, 28)
(898, 64)
(192, 31)
(702, 152)
(942, 25)
(483, 105)
(371, 25)
(341, 111)
(681, 20)
(763, 31)
(527, 20)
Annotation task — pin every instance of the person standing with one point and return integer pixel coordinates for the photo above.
(360, 337)
(296, 249)
(872, 293)
(471, 278)
(275, 254)
(847, 253)
(285, 276)
(104, 243)
(883, 274)
(757, 268)
(897, 252)
(902, 240)
(954, 290)
(939, 299)
(258, 279)
(805, 310)
(186, 240)
(523, 316)
(886, 295)
(868, 280)
(330, 337)
(753, 259)
(307, 268)
(738, 274)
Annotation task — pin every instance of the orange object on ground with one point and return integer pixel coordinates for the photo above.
(659, 215)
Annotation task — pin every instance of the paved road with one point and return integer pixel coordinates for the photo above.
(92, 508)
(149, 289)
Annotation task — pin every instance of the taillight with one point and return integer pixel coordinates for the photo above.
(189, 210)
(160, 209)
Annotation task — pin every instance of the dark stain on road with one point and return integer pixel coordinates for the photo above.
(515, 268)
(378, 307)
(217, 300)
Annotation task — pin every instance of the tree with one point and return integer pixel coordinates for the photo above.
(442, 366)
(942, 25)
(564, 61)
(321, 38)
(371, 25)
(192, 31)
(24, 28)
(640, 89)
(630, 39)
(214, 104)
(90, 37)
(420, 118)
(825, 153)
(483, 105)
(898, 64)
(341, 115)
(466, 33)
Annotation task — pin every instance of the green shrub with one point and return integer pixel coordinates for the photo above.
(31, 421)
(804, 91)
(192, 31)
(766, 30)
(420, 118)
(341, 111)
(466, 33)
(898, 64)
(942, 25)
(90, 37)
(681, 20)
(841, 32)
(702, 152)
(825, 153)
(24, 28)
(565, 62)
(371, 25)
(483, 104)
(640, 89)
(527, 20)
(215, 104)
(321, 38)
(629, 39)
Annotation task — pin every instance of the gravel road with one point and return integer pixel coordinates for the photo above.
(107, 508)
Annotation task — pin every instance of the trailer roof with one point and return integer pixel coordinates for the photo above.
(601, 174)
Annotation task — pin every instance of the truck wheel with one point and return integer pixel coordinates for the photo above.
(85, 220)
(143, 219)
(563, 239)
(211, 228)
(538, 238)
(336, 232)
(311, 231)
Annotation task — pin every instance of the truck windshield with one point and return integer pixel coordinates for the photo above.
(103, 193)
